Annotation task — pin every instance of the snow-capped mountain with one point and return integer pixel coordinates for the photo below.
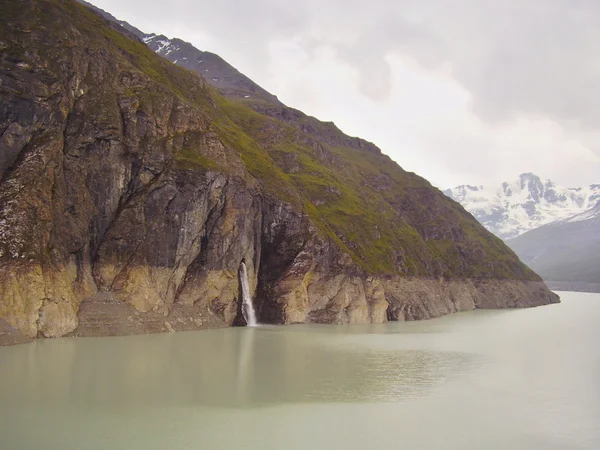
(511, 209)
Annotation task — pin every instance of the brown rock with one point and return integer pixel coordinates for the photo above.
(130, 193)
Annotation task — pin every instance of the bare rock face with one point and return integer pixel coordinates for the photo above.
(131, 191)
(10, 335)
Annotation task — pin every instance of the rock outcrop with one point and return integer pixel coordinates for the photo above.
(131, 191)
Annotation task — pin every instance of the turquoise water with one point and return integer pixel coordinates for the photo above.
(518, 379)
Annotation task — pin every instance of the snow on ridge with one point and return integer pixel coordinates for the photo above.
(162, 44)
(581, 217)
(148, 38)
(593, 213)
(525, 203)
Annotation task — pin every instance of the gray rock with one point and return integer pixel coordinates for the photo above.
(131, 192)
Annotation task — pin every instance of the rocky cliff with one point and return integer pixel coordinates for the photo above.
(131, 191)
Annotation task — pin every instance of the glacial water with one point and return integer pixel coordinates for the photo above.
(517, 379)
(247, 305)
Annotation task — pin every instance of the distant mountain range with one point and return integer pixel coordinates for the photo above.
(513, 208)
(554, 229)
(566, 253)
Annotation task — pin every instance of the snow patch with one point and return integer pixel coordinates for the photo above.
(162, 44)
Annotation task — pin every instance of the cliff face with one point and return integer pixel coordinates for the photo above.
(131, 191)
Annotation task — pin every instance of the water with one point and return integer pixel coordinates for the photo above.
(521, 379)
(247, 306)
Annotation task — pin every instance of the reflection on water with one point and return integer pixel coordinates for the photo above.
(232, 368)
(494, 380)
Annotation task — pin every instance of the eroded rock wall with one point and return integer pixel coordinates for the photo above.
(128, 200)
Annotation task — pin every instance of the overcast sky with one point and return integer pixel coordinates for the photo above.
(462, 91)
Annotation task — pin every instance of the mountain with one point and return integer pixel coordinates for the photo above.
(121, 25)
(566, 253)
(132, 191)
(513, 208)
(217, 72)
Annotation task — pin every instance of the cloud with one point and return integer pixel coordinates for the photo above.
(514, 56)
(459, 91)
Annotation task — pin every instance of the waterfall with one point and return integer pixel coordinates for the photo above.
(247, 307)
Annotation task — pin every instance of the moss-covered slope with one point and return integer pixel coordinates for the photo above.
(123, 175)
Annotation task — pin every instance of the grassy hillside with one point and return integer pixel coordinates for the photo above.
(388, 220)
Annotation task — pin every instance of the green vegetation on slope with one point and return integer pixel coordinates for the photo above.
(388, 220)
(367, 203)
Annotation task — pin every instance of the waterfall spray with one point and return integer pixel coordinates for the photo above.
(247, 307)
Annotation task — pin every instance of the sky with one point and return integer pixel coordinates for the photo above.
(460, 92)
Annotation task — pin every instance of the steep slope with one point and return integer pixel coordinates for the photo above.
(131, 191)
(218, 73)
(130, 30)
(522, 205)
(566, 253)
